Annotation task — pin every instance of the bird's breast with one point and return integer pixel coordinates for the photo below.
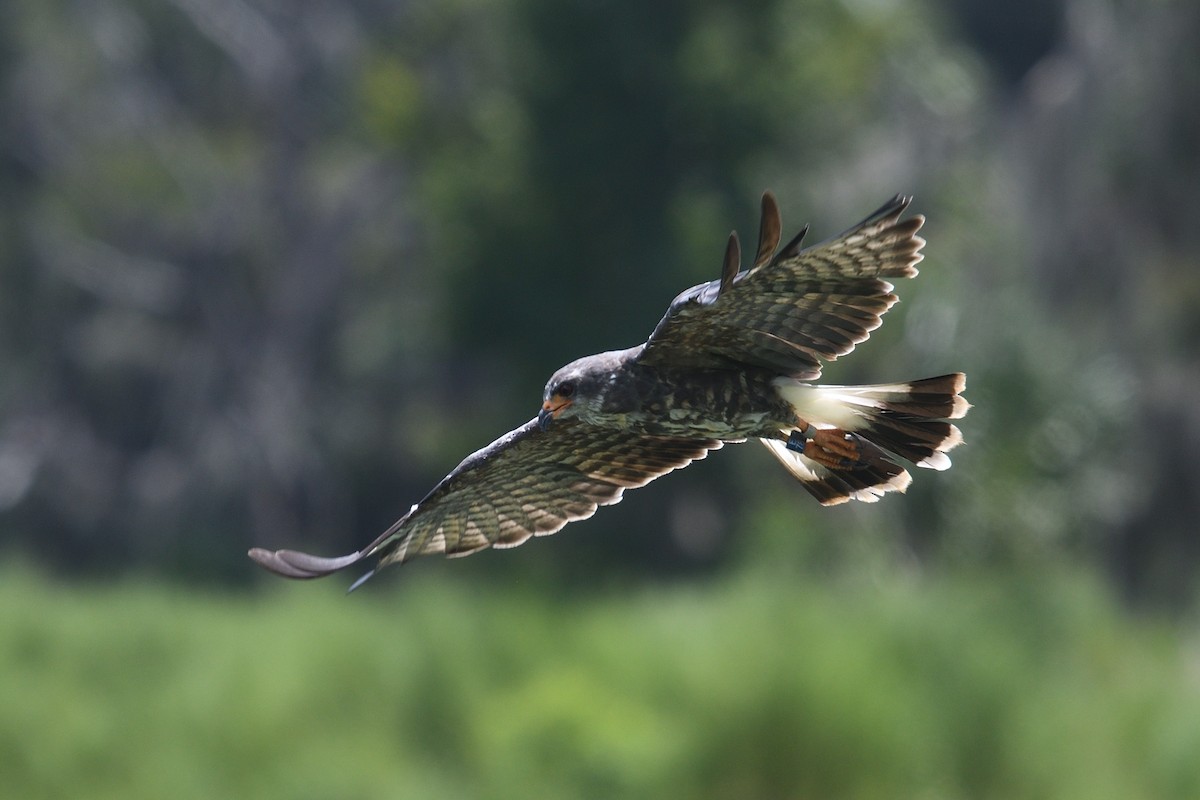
(708, 404)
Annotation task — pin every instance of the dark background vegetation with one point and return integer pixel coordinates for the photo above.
(269, 269)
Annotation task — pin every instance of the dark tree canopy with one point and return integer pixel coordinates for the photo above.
(270, 270)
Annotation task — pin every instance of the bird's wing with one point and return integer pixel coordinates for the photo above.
(527, 483)
(793, 309)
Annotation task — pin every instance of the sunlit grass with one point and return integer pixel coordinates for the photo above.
(743, 689)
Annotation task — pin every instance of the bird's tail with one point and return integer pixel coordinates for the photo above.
(885, 423)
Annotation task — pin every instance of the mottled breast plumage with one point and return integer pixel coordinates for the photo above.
(719, 403)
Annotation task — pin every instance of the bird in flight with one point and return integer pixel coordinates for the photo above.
(732, 359)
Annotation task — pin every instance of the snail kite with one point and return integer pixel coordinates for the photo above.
(732, 359)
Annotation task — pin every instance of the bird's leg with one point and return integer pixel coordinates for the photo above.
(834, 448)
(798, 439)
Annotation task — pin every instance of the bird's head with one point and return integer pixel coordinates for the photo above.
(576, 390)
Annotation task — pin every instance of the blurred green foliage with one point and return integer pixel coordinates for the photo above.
(1027, 686)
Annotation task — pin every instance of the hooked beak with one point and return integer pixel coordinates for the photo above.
(550, 412)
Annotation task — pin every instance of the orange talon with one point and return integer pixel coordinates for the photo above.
(835, 448)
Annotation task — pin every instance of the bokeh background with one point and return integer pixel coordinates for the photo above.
(269, 269)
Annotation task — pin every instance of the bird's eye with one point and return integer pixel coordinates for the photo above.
(565, 389)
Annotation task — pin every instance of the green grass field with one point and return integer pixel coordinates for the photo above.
(747, 688)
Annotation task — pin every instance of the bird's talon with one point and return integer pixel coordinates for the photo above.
(834, 448)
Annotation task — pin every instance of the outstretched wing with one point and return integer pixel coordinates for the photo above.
(527, 483)
(793, 309)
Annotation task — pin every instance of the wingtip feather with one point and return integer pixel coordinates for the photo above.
(770, 229)
(732, 263)
(301, 566)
